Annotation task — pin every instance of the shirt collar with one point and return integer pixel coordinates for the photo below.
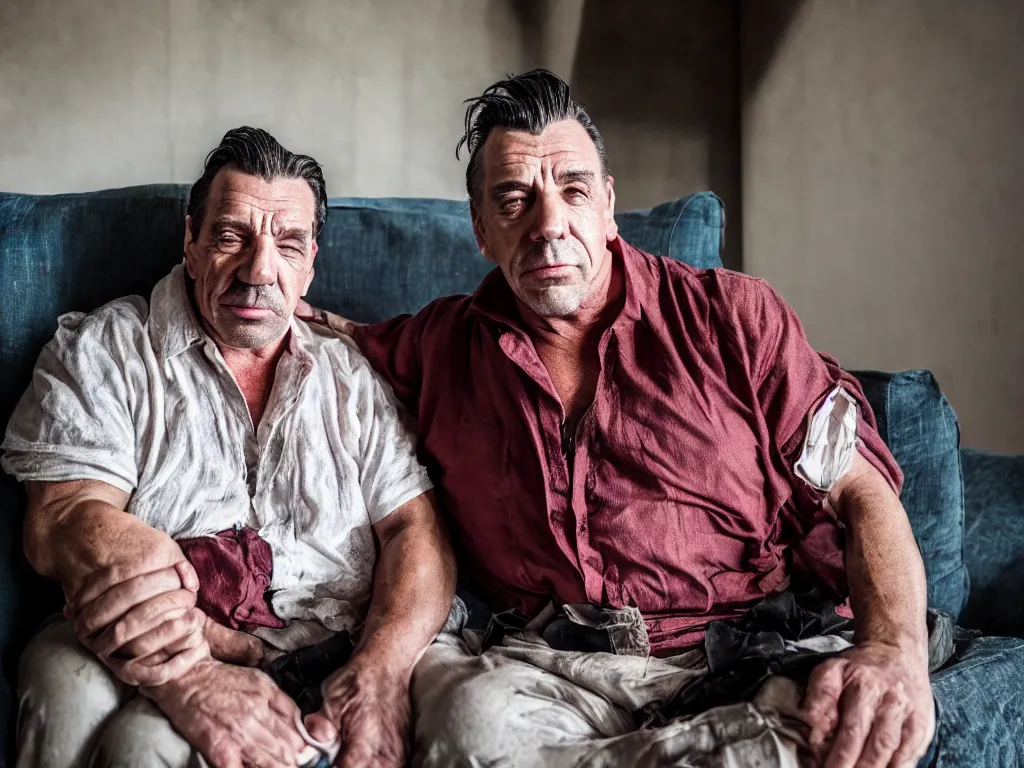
(494, 298)
(174, 327)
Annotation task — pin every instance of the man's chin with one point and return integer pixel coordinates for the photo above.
(553, 303)
(241, 333)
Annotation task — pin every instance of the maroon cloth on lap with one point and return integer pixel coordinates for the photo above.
(234, 569)
(682, 500)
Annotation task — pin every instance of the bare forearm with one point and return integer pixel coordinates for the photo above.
(412, 594)
(884, 568)
(75, 529)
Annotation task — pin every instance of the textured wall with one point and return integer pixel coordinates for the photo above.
(100, 93)
(883, 188)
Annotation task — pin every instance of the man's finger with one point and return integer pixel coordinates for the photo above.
(320, 728)
(821, 701)
(185, 629)
(142, 619)
(918, 732)
(264, 748)
(187, 574)
(886, 732)
(122, 597)
(147, 675)
(856, 712)
(283, 731)
(102, 579)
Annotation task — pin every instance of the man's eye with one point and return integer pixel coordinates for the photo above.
(228, 240)
(576, 194)
(512, 206)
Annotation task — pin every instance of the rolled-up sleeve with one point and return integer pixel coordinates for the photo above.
(793, 382)
(74, 422)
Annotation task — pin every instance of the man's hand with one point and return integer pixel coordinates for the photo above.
(312, 314)
(131, 592)
(139, 616)
(369, 708)
(871, 706)
(234, 715)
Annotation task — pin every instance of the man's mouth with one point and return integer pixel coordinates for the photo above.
(250, 313)
(548, 271)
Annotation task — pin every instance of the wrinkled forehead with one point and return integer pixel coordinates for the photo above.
(241, 197)
(564, 145)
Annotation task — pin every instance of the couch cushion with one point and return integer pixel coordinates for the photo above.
(920, 428)
(994, 541)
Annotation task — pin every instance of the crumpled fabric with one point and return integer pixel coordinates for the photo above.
(234, 569)
(786, 635)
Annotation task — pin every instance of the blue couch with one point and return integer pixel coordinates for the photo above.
(381, 257)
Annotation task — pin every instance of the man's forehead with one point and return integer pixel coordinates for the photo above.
(234, 192)
(563, 143)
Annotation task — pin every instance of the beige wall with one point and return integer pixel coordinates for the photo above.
(883, 188)
(101, 93)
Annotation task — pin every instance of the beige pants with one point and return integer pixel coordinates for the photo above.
(72, 711)
(525, 704)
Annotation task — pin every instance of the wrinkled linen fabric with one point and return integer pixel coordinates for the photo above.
(137, 395)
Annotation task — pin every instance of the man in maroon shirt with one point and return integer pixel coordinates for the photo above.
(612, 428)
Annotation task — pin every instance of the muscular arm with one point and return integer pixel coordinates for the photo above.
(872, 706)
(368, 699)
(74, 529)
(130, 589)
(412, 589)
(883, 565)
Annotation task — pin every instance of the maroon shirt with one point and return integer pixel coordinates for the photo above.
(681, 499)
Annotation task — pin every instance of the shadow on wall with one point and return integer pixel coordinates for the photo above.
(763, 27)
(661, 80)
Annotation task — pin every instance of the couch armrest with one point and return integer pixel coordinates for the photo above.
(994, 541)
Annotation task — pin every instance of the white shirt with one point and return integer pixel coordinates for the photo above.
(140, 398)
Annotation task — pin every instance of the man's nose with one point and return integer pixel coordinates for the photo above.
(261, 267)
(550, 221)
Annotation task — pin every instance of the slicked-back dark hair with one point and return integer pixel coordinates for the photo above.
(528, 102)
(256, 152)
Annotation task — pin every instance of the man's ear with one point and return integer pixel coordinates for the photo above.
(611, 226)
(480, 231)
(312, 269)
(190, 248)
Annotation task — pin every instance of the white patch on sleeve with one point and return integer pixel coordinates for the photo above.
(830, 441)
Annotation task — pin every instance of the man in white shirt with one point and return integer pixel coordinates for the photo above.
(206, 409)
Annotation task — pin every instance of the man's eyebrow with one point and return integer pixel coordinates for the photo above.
(504, 187)
(298, 234)
(573, 174)
(222, 222)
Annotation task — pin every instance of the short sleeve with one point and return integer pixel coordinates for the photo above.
(792, 381)
(75, 420)
(389, 473)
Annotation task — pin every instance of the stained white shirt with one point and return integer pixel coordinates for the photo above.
(139, 396)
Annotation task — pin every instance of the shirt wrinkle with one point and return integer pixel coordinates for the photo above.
(679, 498)
(144, 401)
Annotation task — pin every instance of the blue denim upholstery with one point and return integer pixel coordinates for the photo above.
(919, 426)
(994, 542)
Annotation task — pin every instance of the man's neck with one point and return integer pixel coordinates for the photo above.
(254, 371)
